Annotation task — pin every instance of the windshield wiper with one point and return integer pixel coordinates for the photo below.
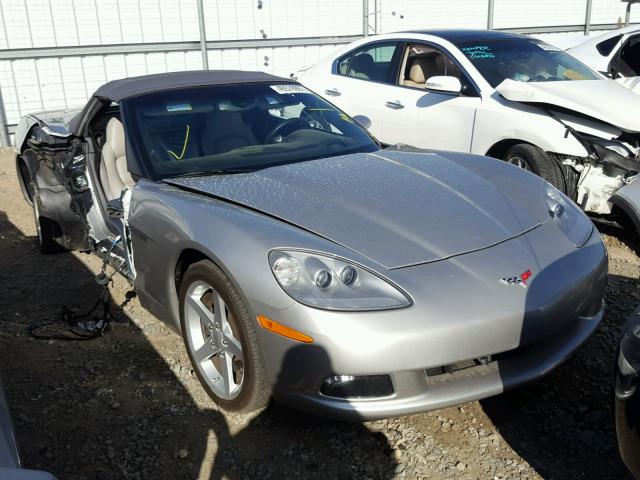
(218, 171)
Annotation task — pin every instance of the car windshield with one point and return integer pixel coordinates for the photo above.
(216, 129)
(524, 60)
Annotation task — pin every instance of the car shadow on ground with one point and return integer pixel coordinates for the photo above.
(287, 443)
(113, 408)
(560, 434)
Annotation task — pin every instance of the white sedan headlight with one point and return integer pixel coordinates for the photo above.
(331, 283)
(568, 217)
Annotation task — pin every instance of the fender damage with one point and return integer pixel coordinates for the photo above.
(608, 130)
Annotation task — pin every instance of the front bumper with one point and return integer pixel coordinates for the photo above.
(461, 313)
(416, 392)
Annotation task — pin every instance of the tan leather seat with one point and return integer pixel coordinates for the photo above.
(421, 69)
(113, 167)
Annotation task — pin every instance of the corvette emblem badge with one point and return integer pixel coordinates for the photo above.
(517, 279)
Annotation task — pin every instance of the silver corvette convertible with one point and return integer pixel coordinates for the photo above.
(301, 261)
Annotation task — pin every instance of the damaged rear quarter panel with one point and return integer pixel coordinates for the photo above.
(50, 162)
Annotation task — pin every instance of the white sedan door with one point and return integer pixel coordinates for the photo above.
(357, 81)
(380, 82)
(424, 118)
(427, 119)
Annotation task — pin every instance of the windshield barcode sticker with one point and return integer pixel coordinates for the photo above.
(549, 48)
(289, 88)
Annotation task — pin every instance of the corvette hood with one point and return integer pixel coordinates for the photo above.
(396, 208)
(603, 100)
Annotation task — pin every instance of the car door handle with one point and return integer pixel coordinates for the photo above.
(395, 105)
(334, 92)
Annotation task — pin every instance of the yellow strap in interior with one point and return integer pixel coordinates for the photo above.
(184, 147)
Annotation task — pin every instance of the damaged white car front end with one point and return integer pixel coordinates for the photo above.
(603, 118)
(500, 95)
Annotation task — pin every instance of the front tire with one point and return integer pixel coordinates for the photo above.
(221, 340)
(531, 158)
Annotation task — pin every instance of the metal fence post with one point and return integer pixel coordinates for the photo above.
(365, 18)
(203, 36)
(587, 18)
(375, 17)
(5, 140)
(490, 8)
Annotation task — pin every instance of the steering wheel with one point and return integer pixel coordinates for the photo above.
(319, 120)
(293, 123)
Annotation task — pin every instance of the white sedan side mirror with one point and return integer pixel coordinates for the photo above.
(443, 84)
(364, 122)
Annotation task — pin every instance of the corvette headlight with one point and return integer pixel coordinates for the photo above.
(331, 283)
(568, 217)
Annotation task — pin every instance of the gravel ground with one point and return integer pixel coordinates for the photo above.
(128, 405)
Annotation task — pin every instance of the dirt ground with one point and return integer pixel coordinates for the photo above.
(128, 405)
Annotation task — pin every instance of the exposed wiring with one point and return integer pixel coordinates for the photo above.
(80, 327)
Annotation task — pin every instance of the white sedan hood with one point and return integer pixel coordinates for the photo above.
(603, 100)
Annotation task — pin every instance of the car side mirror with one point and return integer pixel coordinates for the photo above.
(364, 122)
(443, 84)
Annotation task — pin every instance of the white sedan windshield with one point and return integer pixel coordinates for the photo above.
(524, 60)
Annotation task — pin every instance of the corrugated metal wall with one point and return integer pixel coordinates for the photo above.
(403, 14)
(46, 23)
(49, 83)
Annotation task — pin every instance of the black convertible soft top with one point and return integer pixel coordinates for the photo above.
(118, 90)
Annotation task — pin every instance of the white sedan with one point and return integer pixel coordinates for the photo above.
(615, 54)
(497, 94)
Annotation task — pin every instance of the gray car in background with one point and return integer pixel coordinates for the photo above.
(301, 261)
(626, 383)
(10, 465)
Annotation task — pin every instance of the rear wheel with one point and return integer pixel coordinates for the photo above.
(46, 229)
(221, 340)
(531, 158)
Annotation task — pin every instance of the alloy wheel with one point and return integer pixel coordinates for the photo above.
(520, 163)
(213, 340)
